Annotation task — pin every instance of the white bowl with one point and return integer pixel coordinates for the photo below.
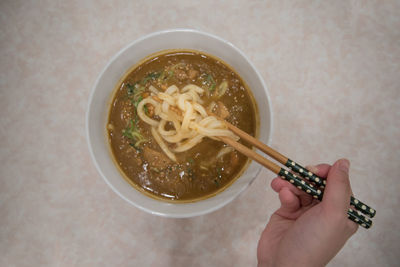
(100, 97)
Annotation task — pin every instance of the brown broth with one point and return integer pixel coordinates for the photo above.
(197, 174)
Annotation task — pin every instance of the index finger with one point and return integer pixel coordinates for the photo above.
(320, 170)
(337, 192)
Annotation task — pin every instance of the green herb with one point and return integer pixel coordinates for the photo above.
(162, 76)
(216, 182)
(191, 161)
(180, 65)
(136, 121)
(137, 101)
(138, 149)
(151, 76)
(130, 88)
(135, 93)
(138, 91)
(209, 81)
(146, 110)
(154, 75)
(165, 75)
(219, 172)
(131, 132)
(212, 87)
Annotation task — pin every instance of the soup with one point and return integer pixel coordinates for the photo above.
(165, 119)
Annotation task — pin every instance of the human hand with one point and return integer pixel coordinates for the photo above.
(304, 231)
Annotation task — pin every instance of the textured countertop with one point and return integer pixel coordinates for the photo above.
(333, 73)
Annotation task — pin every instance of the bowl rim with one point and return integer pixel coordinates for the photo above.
(89, 142)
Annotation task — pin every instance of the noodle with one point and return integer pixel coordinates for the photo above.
(192, 87)
(172, 89)
(161, 143)
(199, 108)
(187, 117)
(143, 115)
(162, 131)
(224, 151)
(189, 143)
(153, 90)
(185, 112)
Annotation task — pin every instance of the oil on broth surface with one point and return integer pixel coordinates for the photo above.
(198, 172)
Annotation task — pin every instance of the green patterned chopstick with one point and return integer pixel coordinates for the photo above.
(292, 178)
(357, 204)
(317, 193)
(303, 172)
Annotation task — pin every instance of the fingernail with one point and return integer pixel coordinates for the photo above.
(344, 165)
(312, 169)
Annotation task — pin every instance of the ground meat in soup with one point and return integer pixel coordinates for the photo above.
(198, 173)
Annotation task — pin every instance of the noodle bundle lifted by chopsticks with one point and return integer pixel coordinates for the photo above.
(185, 112)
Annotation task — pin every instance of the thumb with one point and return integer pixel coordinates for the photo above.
(338, 191)
(289, 201)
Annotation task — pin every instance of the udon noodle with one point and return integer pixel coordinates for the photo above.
(183, 110)
(166, 124)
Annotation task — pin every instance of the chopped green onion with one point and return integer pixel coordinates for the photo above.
(212, 87)
(137, 101)
(209, 81)
(162, 76)
(131, 132)
(221, 89)
(130, 88)
(151, 76)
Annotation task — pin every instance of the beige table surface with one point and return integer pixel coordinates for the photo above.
(333, 73)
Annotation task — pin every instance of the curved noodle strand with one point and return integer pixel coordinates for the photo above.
(184, 110)
(162, 131)
(188, 144)
(187, 117)
(193, 87)
(172, 89)
(142, 114)
(161, 143)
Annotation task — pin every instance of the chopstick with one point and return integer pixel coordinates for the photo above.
(303, 172)
(307, 187)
